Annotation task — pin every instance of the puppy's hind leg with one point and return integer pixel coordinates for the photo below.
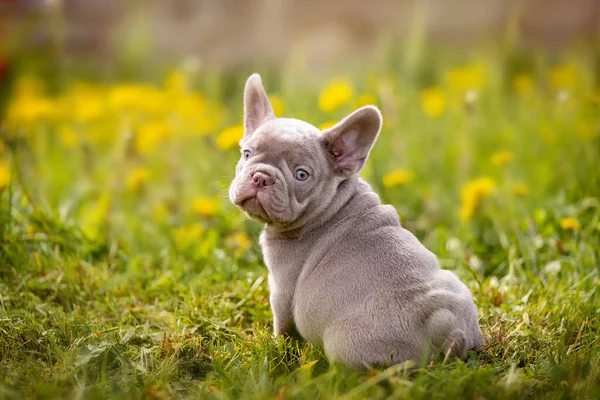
(444, 334)
(356, 342)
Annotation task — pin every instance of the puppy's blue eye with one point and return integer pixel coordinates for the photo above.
(246, 155)
(301, 175)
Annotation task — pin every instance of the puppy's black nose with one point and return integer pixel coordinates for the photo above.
(262, 179)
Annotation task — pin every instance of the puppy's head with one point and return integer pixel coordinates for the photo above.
(289, 171)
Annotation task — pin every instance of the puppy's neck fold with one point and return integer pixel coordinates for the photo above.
(342, 206)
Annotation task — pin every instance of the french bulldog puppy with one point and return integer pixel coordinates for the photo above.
(341, 267)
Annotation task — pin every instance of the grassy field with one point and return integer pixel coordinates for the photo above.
(126, 273)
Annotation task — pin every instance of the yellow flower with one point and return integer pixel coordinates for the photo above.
(523, 84)
(230, 137)
(502, 158)
(28, 109)
(397, 177)
(161, 211)
(149, 136)
(327, 125)
(366, 100)
(466, 78)
(240, 241)
(433, 102)
(4, 175)
(277, 104)
(570, 224)
(471, 195)
(68, 137)
(520, 189)
(137, 178)
(206, 206)
(187, 235)
(86, 102)
(338, 93)
(563, 77)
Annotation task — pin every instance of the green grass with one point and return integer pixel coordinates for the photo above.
(100, 297)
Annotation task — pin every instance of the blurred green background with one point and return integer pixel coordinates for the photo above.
(118, 140)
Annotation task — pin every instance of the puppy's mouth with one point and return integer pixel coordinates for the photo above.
(254, 208)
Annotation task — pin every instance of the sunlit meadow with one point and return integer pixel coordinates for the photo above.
(125, 272)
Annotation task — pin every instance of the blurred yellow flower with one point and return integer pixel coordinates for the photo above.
(502, 158)
(570, 224)
(161, 211)
(433, 101)
(206, 206)
(240, 241)
(335, 95)
(185, 236)
(4, 175)
(563, 77)
(366, 99)
(398, 177)
(149, 136)
(520, 189)
(327, 125)
(466, 78)
(230, 137)
(277, 104)
(523, 84)
(28, 109)
(68, 137)
(86, 102)
(137, 178)
(471, 195)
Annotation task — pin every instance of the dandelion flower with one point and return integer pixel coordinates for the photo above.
(502, 158)
(230, 137)
(472, 194)
(433, 102)
(338, 93)
(149, 136)
(397, 177)
(467, 78)
(68, 137)
(137, 178)
(206, 206)
(4, 175)
(570, 224)
(161, 212)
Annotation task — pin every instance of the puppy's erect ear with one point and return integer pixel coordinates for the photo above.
(350, 141)
(257, 109)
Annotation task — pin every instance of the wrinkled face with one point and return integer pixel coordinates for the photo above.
(289, 171)
(283, 165)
